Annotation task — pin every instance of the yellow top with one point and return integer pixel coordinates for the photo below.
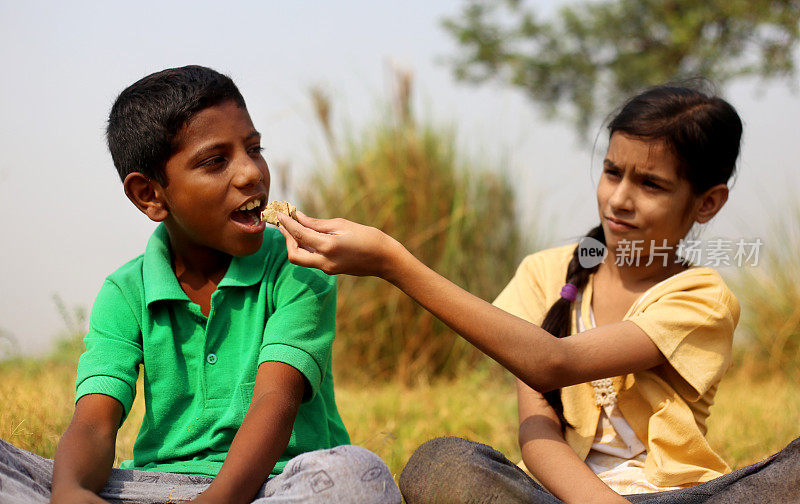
(690, 317)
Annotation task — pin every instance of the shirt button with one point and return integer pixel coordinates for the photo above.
(211, 359)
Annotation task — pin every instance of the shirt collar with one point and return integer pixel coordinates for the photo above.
(247, 270)
(159, 279)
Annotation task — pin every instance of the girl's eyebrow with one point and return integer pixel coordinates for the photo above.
(654, 178)
(648, 176)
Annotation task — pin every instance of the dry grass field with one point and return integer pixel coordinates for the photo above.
(751, 418)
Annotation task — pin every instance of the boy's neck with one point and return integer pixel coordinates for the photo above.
(199, 272)
(198, 265)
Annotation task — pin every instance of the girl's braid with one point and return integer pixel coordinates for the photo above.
(558, 320)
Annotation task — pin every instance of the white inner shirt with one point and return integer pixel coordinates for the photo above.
(614, 441)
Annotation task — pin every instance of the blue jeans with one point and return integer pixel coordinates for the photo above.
(453, 470)
(345, 474)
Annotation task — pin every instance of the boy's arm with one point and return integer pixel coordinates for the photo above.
(263, 436)
(85, 453)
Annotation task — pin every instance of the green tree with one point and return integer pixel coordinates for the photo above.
(594, 54)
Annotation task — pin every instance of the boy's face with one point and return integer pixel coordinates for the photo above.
(214, 173)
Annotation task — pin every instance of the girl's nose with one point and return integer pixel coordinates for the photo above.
(622, 198)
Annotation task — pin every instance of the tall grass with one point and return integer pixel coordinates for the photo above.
(770, 300)
(406, 178)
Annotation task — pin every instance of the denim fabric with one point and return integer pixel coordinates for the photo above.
(345, 474)
(453, 470)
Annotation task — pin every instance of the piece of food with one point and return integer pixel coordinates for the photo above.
(270, 213)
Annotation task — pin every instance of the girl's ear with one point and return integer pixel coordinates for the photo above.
(147, 195)
(711, 202)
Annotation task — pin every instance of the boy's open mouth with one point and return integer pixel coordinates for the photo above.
(249, 214)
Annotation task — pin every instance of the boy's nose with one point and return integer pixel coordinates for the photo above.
(249, 172)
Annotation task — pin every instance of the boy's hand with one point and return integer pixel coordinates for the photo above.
(339, 246)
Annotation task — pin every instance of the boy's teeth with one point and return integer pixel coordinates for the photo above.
(251, 205)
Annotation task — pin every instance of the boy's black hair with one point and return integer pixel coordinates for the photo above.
(148, 114)
(703, 132)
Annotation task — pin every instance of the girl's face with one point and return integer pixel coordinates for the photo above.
(641, 199)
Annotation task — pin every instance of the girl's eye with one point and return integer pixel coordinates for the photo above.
(610, 172)
(652, 185)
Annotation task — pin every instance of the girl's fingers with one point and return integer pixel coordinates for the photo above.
(304, 236)
(291, 243)
(297, 254)
(328, 226)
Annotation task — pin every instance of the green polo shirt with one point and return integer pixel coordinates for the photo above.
(199, 371)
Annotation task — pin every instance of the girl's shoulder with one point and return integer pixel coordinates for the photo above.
(697, 285)
(555, 257)
(547, 266)
(692, 278)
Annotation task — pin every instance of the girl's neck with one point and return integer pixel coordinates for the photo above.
(640, 275)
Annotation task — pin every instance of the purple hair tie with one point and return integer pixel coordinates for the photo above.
(569, 292)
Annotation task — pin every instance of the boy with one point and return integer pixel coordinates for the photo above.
(235, 342)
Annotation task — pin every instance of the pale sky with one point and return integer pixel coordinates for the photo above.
(66, 223)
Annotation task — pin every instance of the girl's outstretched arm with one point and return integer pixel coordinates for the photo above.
(532, 354)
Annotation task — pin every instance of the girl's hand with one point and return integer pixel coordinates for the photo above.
(202, 499)
(338, 246)
(76, 496)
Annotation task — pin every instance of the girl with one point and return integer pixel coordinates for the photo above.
(613, 388)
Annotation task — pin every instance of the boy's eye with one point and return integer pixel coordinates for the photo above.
(256, 150)
(212, 161)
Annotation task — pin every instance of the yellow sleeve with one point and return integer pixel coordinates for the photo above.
(691, 320)
(524, 296)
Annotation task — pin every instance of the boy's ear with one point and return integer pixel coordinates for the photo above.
(147, 195)
(711, 202)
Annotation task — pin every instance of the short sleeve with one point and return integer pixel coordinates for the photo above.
(693, 325)
(524, 296)
(300, 331)
(110, 364)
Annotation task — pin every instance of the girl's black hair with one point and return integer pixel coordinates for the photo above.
(703, 133)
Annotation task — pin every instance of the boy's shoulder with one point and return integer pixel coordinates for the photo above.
(128, 275)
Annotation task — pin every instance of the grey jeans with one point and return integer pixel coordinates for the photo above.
(345, 474)
(453, 470)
